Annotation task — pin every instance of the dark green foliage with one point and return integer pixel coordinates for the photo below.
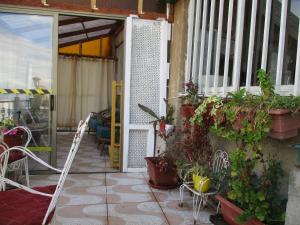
(149, 111)
(244, 118)
(192, 94)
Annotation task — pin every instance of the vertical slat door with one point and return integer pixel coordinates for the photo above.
(146, 68)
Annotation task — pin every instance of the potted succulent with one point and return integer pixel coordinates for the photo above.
(191, 100)
(244, 118)
(161, 168)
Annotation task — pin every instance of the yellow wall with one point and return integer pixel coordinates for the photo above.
(73, 49)
(100, 47)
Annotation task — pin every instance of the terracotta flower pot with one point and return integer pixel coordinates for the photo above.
(162, 127)
(231, 212)
(161, 179)
(284, 124)
(187, 110)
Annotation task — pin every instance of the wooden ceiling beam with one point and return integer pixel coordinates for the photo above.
(75, 20)
(87, 30)
(83, 40)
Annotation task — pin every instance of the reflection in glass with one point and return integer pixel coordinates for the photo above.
(25, 50)
(26, 63)
(33, 112)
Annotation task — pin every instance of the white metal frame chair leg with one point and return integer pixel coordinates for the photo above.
(64, 172)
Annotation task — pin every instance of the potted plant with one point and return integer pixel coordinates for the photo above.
(244, 118)
(191, 100)
(257, 195)
(165, 122)
(200, 177)
(285, 117)
(13, 138)
(161, 168)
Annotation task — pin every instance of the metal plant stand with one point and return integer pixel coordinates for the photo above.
(220, 166)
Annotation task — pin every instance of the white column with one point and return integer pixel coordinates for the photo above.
(238, 44)
(282, 35)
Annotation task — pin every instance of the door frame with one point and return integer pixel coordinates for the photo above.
(164, 75)
(52, 121)
(55, 13)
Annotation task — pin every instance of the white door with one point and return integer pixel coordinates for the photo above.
(146, 74)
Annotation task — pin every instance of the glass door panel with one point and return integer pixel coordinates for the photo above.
(26, 77)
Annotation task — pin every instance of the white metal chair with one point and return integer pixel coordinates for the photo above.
(17, 161)
(33, 206)
(220, 166)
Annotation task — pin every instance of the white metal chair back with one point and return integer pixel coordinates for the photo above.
(74, 148)
(14, 166)
(27, 131)
(64, 172)
(220, 166)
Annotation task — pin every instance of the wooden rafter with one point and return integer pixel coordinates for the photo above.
(87, 30)
(75, 20)
(82, 23)
(118, 29)
(84, 40)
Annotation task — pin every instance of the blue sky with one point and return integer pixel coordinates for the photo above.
(33, 28)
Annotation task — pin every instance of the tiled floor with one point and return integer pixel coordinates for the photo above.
(118, 199)
(88, 157)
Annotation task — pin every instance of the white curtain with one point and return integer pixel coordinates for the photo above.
(84, 86)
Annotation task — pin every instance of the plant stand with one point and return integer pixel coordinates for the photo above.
(199, 198)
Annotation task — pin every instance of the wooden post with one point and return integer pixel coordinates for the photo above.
(94, 4)
(140, 6)
(44, 2)
(168, 7)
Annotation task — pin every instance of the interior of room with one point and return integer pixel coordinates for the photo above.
(89, 79)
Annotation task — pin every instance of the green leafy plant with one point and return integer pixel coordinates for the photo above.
(244, 118)
(191, 96)
(7, 124)
(291, 103)
(258, 196)
(209, 105)
(168, 119)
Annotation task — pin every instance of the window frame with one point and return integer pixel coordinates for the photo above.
(196, 35)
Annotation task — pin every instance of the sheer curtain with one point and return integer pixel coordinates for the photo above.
(84, 85)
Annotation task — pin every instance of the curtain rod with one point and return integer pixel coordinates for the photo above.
(87, 56)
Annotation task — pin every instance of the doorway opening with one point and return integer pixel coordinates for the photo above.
(89, 77)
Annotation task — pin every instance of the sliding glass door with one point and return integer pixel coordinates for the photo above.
(27, 70)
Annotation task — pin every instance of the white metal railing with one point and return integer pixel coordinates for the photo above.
(206, 43)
